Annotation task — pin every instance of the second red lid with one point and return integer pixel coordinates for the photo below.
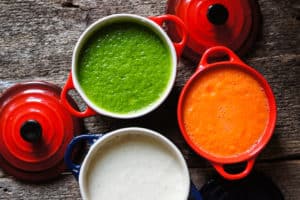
(216, 22)
(35, 130)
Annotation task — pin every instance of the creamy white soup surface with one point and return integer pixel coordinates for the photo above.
(135, 167)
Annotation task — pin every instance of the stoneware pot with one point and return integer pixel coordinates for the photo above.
(152, 23)
(134, 165)
(249, 155)
(35, 129)
(216, 22)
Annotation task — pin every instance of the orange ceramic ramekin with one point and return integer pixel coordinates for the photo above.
(250, 155)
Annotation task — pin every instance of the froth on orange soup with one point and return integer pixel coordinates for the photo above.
(225, 111)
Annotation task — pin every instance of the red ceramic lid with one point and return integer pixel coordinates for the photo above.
(35, 130)
(214, 23)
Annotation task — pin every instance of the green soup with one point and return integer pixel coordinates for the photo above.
(124, 67)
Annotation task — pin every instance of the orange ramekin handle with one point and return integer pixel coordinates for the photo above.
(215, 52)
(220, 169)
(64, 100)
(179, 46)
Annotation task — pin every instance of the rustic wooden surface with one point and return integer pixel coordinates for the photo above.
(36, 43)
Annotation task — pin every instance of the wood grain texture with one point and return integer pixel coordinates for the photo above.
(36, 43)
(67, 188)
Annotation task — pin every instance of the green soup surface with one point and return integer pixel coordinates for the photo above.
(124, 67)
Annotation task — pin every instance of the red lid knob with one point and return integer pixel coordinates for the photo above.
(34, 131)
(214, 23)
(31, 131)
(217, 14)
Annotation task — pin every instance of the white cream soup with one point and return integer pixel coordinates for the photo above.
(136, 167)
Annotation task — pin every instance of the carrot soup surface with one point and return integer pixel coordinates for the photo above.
(225, 111)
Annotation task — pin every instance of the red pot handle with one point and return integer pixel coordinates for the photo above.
(179, 46)
(215, 52)
(64, 100)
(243, 174)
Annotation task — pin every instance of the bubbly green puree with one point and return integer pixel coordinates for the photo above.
(124, 67)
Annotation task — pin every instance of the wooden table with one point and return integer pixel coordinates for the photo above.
(36, 43)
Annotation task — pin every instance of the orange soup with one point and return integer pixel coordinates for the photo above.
(225, 112)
